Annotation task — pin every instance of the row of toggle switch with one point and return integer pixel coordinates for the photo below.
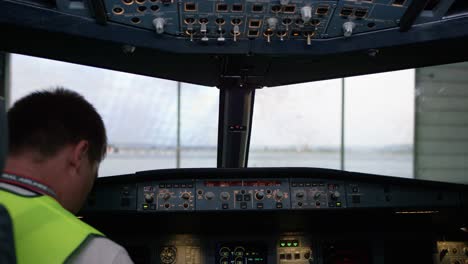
(347, 27)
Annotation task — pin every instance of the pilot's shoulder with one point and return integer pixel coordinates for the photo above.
(101, 250)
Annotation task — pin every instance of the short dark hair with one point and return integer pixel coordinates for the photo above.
(46, 121)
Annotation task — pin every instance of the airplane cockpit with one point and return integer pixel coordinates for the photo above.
(247, 197)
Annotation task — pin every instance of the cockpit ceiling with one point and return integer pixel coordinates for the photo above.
(297, 41)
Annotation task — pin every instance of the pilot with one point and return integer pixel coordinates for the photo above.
(56, 143)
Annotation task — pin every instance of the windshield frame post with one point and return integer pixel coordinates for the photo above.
(236, 103)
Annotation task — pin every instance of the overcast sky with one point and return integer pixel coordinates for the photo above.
(143, 110)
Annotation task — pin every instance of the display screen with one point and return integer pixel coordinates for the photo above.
(241, 183)
(241, 252)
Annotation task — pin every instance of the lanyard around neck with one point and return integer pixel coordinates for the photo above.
(27, 183)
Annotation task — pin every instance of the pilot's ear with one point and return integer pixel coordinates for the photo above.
(79, 153)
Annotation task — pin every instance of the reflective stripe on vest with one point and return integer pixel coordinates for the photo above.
(44, 231)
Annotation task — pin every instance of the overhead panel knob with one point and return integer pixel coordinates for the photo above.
(272, 22)
(159, 24)
(300, 195)
(348, 28)
(306, 13)
(236, 32)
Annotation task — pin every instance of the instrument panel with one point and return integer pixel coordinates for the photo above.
(293, 248)
(280, 215)
(296, 248)
(243, 194)
(286, 248)
(264, 195)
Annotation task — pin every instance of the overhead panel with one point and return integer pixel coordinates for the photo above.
(231, 21)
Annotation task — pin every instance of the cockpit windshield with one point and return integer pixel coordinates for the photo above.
(410, 123)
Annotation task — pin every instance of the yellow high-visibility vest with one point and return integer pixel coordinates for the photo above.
(44, 231)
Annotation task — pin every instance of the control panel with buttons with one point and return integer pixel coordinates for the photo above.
(237, 193)
(278, 215)
(232, 21)
(309, 194)
(242, 194)
(294, 249)
(166, 195)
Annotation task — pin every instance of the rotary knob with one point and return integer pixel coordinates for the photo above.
(224, 196)
(279, 195)
(300, 195)
(148, 198)
(185, 196)
(317, 196)
(209, 195)
(260, 195)
(335, 195)
(166, 196)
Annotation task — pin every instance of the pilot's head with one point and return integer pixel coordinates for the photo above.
(57, 137)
